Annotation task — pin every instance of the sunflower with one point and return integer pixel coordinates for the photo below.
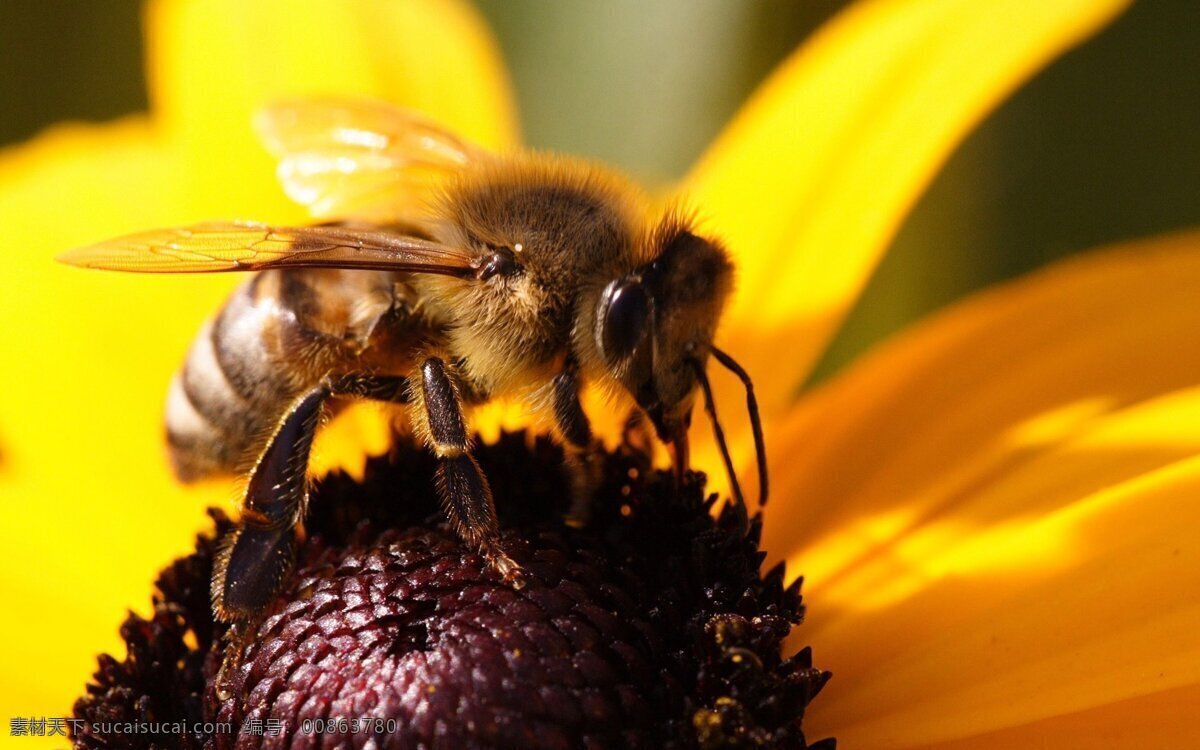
(991, 509)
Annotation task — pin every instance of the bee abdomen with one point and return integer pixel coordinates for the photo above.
(221, 405)
(197, 447)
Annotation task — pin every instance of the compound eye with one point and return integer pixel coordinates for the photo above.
(625, 314)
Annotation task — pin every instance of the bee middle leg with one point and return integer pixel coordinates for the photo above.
(465, 491)
(583, 458)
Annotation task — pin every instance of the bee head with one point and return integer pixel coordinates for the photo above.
(655, 325)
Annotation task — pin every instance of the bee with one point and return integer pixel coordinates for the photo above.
(444, 276)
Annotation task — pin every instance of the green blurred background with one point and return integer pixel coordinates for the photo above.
(1102, 146)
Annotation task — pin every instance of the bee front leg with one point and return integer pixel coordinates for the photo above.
(583, 459)
(465, 492)
(257, 556)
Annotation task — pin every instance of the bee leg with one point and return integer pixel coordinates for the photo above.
(257, 556)
(583, 459)
(464, 489)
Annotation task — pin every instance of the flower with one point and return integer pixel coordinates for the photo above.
(993, 507)
(649, 626)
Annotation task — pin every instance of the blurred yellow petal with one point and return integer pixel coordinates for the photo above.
(213, 64)
(81, 399)
(63, 401)
(994, 510)
(812, 179)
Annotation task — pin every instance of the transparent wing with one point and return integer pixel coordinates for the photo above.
(245, 246)
(360, 158)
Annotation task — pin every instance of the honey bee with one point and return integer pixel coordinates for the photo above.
(445, 276)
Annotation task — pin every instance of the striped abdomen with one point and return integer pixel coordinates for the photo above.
(277, 336)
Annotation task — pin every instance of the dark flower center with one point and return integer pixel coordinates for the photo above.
(650, 626)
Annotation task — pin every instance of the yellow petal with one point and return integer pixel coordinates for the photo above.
(1152, 720)
(810, 182)
(1078, 609)
(87, 505)
(941, 409)
(213, 64)
(993, 511)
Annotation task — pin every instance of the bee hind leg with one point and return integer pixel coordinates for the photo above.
(257, 556)
(465, 492)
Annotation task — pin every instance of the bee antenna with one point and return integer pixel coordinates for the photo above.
(711, 407)
(760, 448)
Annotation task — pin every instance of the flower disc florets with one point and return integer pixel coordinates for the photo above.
(649, 626)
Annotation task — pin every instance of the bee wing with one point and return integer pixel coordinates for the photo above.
(365, 159)
(245, 246)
